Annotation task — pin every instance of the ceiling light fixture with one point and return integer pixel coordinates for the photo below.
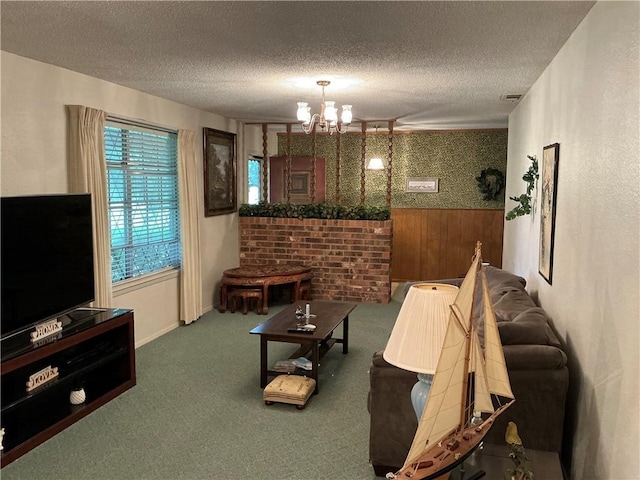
(328, 117)
(376, 163)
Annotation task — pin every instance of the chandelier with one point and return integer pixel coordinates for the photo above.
(328, 118)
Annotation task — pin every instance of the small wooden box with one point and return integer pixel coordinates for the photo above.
(292, 389)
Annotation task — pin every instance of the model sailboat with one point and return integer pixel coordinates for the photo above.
(466, 381)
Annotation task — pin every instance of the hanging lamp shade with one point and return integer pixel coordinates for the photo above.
(375, 164)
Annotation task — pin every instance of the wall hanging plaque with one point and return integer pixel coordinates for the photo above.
(422, 185)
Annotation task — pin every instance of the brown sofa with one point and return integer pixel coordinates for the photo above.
(537, 368)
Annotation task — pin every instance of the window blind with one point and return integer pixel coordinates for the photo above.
(142, 176)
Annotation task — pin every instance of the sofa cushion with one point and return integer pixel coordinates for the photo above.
(512, 304)
(533, 357)
(530, 327)
(498, 277)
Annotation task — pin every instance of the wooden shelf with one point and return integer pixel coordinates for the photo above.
(95, 351)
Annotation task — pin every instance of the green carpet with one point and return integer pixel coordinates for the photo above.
(197, 412)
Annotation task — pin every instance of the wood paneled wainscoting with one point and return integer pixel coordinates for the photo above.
(430, 243)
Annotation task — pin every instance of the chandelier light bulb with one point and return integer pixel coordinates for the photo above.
(347, 116)
(330, 112)
(304, 112)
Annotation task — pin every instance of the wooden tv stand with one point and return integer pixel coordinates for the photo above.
(95, 351)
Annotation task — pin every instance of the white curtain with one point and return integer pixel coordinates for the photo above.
(88, 174)
(190, 214)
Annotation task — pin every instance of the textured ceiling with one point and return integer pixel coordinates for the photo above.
(428, 65)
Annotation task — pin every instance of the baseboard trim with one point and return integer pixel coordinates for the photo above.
(157, 334)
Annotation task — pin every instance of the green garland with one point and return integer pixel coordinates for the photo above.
(524, 200)
(319, 210)
(490, 183)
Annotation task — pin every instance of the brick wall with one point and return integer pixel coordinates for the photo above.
(351, 259)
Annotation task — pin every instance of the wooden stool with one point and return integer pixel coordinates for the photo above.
(292, 389)
(245, 294)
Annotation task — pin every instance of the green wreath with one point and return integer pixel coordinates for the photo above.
(490, 183)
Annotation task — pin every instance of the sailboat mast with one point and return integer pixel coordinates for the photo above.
(467, 356)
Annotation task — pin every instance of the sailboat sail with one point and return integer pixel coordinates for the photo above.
(448, 406)
(497, 376)
(482, 396)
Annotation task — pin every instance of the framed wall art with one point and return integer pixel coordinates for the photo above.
(300, 187)
(219, 172)
(300, 183)
(422, 185)
(300, 176)
(550, 159)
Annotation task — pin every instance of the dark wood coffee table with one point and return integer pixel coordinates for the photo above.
(328, 315)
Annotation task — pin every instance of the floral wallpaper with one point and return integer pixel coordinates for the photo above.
(456, 158)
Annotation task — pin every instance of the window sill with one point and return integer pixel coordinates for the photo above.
(133, 284)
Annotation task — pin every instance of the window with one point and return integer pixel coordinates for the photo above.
(142, 178)
(254, 169)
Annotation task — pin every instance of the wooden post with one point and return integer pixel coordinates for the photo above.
(363, 161)
(287, 167)
(312, 189)
(338, 161)
(265, 164)
(389, 163)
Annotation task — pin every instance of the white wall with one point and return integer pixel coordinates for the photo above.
(34, 159)
(587, 100)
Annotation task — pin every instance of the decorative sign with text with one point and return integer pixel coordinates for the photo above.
(40, 378)
(45, 329)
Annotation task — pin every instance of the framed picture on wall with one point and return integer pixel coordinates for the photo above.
(219, 172)
(550, 158)
(300, 183)
(422, 185)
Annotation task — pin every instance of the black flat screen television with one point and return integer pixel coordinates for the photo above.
(47, 258)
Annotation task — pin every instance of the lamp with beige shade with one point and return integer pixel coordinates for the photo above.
(416, 340)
